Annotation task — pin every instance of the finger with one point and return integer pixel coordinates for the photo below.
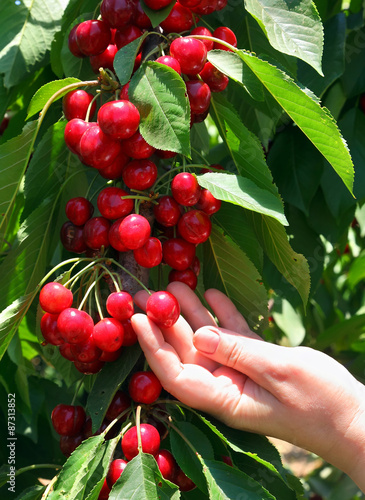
(228, 315)
(191, 308)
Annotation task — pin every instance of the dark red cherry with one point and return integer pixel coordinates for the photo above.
(195, 226)
(202, 31)
(136, 147)
(120, 402)
(126, 35)
(68, 444)
(171, 62)
(72, 43)
(96, 233)
(68, 420)
(54, 298)
(65, 351)
(108, 334)
(97, 149)
(221, 4)
(75, 104)
(87, 351)
(72, 238)
(111, 205)
(130, 336)
(75, 326)
(227, 35)
(157, 4)
(120, 305)
(167, 212)
(119, 119)
(216, 80)
(115, 471)
(189, 3)
(185, 189)
(205, 7)
(180, 19)
(183, 481)
(199, 95)
(150, 254)
(140, 17)
(187, 276)
(104, 60)
(134, 231)
(150, 438)
(92, 37)
(114, 236)
(178, 253)
(49, 329)
(208, 203)
(167, 464)
(191, 53)
(89, 368)
(79, 210)
(117, 13)
(195, 266)
(140, 174)
(144, 387)
(163, 309)
(212, 168)
(109, 357)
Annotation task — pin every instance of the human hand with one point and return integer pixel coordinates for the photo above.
(297, 394)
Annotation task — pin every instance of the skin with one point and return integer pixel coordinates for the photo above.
(293, 393)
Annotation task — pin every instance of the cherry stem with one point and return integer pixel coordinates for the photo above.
(88, 291)
(138, 424)
(163, 176)
(117, 284)
(121, 415)
(97, 297)
(77, 390)
(87, 117)
(217, 40)
(49, 487)
(80, 273)
(36, 466)
(136, 197)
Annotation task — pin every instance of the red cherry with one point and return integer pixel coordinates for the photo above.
(167, 212)
(115, 471)
(109, 357)
(221, 4)
(72, 43)
(171, 62)
(108, 334)
(120, 305)
(134, 231)
(140, 174)
(150, 441)
(136, 147)
(120, 402)
(96, 233)
(212, 168)
(178, 253)
(65, 351)
(118, 119)
(75, 326)
(205, 7)
(55, 297)
(111, 205)
(195, 266)
(140, 17)
(79, 210)
(126, 35)
(183, 481)
(104, 60)
(150, 255)
(49, 329)
(187, 276)
(89, 368)
(87, 351)
(97, 149)
(165, 154)
(208, 203)
(180, 19)
(72, 238)
(104, 492)
(214, 78)
(227, 460)
(130, 336)
(115, 169)
(199, 95)
(195, 226)
(167, 464)
(144, 387)
(68, 420)
(124, 92)
(185, 189)
(202, 31)
(76, 103)
(92, 37)
(163, 309)
(189, 3)
(191, 53)
(114, 236)
(157, 4)
(68, 444)
(117, 13)
(227, 35)
(73, 132)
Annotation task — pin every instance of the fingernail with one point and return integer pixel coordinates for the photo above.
(206, 341)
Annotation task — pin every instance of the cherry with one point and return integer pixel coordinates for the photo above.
(68, 444)
(130, 336)
(180, 19)
(72, 238)
(178, 253)
(140, 174)
(227, 460)
(137, 147)
(117, 13)
(185, 189)
(79, 210)
(191, 53)
(212, 168)
(189, 3)
(163, 309)
(227, 35)
(114, 237)
(74, 130)
(49, 329)
(201, 30)
(104, 492)
(183, 481)
(120, 305)
(115, 471)
(167, 212)
(150, 254)
(171, 62)
(111, 205)
(199, 96)
(96, 233)
(72, 43)
(144, 387)
(97, 149)
(157, 4)
(75, 326)
(140, 17)
(89, 368)
(195, 226)
(195, 266)
(150, 438)
(87, 351)
(104, 60)
(76, 103)
(92, 37)
(120, 402)
(197, 118)
(208, 203)
(110, 356)
(205, 7)
(126, 35)
(124, 92)
(108, 334)
(221, 4)
(214, 78)
(187, 276)
(119, 119)
(114, 170)
(68, 420)
(134, 231)
(165, 154)
(55, 297)
(167, 464)
(65, 351)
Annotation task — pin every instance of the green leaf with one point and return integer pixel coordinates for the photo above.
(289, 321)
(230, 270)
(315, 122)
(125, 58)
(292, 28)
(32, 493)
(346, 331)
(157, 16)
(42, 95)
(27, 28)
(107, 382)
(140, 481)
(293, 266)
(160, 96)
(10, 319)
(14, 157)
(357, 271)
(243, 192)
